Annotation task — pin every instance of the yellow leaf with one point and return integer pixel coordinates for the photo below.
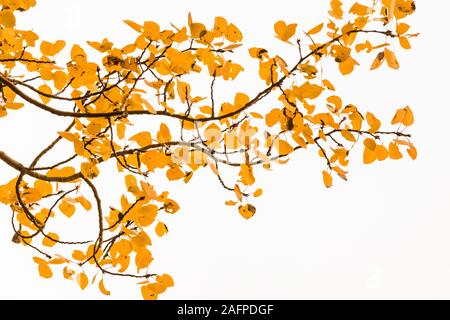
(391, 59)
(336, 101)
(220, 26)
(404, 42)
(256, 115)
(360, 10)
(240, 99)
(197, 29)
(165, 279)
(246, 173)
(66, 208)
(283, 31)
(84, 203)
(378, 61)
(369, 156)
(233, 34)
(348, 135)
(44, 187)
(258, 192)
(163, 134)
(381, 153)
(47, 90)
(123, 247)
(102, 288)
(68, 273)
(283, 147)
(7, 18)
(328, 84)
(143, 258)
(143, 139)
(78, 255)
(44, 270)
(59, 80)
(394, 152)
(238, 192)
(131, 183)
(273, 117)
(161, 229)
(151, 30)
(336, 9)
(340, 53)
(412, 152)
(348, 66)
(51, 49)
(308, 90)
(373, 122)
(148, 293)
(404, 116)
(327, 179)
(49, 242)
(409, 117)
(89, 170)
(370, 144)
(175, 173)
(402, 28)
(82, 280)
(316, 29)
(13, 105)
(147, 214)
(134, 25)
(247, 211)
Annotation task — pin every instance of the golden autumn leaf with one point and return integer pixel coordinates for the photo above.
(148, 293)
(101, 287)
(163, 134)
(381, 152)
(143, 258)
(283, 147)
(369, 155)
(175, 173)
(161, 229)
(284, 31)
(67, 208)
(44, 270)
(7, 18)
(136, 27)
(49, 241)
(404, 116)
(82, 280)
(327, 179)
(246, 173)
(394, 152)
(258, 192)
(336, 9)
(373, 122)
(316, 29)
(247, 211)
(391, 59)
(166, 280)
(45, 89)
(142, 138)
(51, 49)
(89, 170)
(378, 61)
(412, 151)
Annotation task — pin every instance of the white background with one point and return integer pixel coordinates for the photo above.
(383, 234)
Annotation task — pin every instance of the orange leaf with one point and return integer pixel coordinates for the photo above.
(82, 280)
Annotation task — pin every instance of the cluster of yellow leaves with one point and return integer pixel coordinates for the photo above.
(151, 290)
(170, 55)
